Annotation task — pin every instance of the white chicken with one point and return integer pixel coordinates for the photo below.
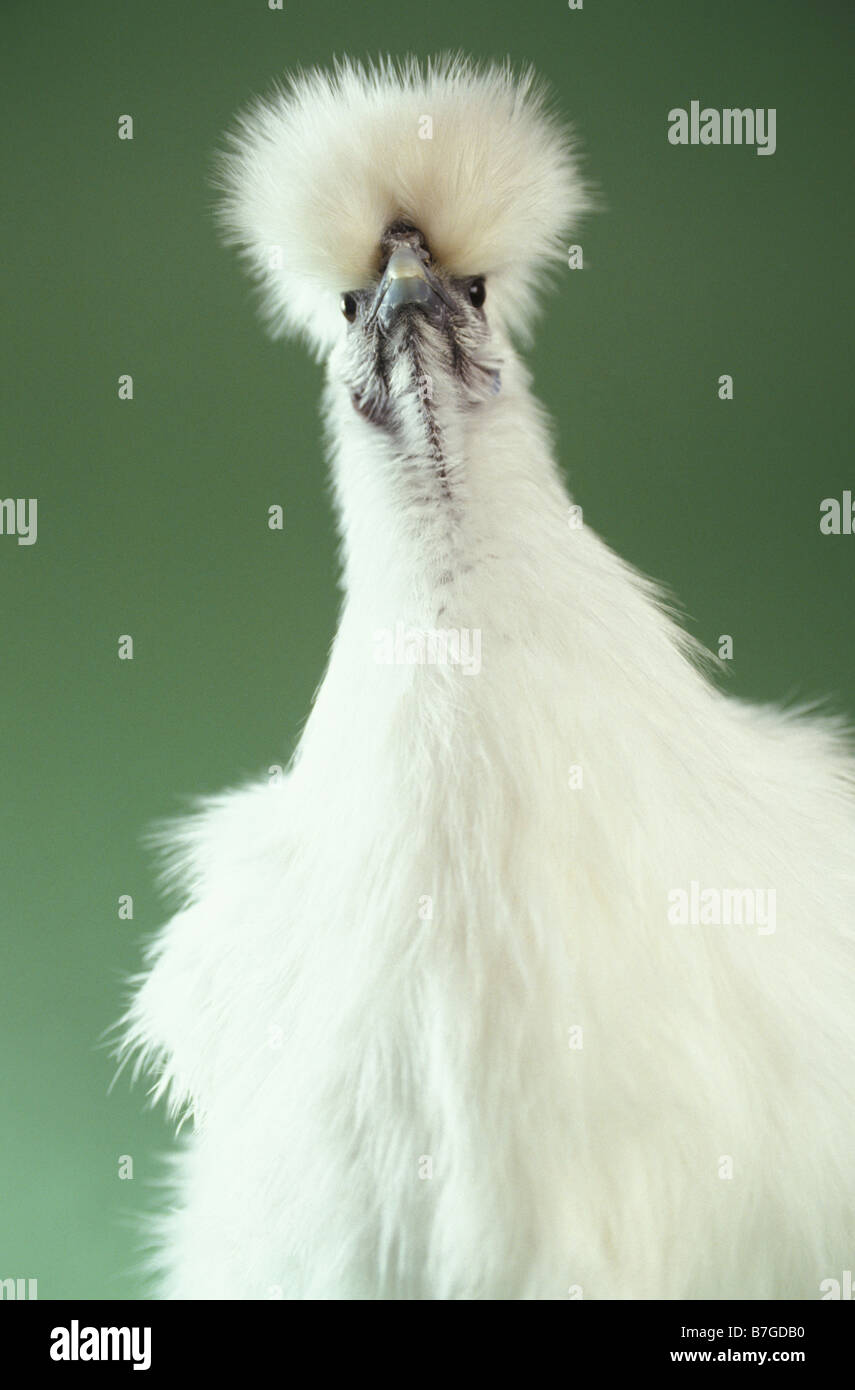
(534, 977)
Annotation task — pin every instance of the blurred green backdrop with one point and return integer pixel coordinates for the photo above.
(152, 513)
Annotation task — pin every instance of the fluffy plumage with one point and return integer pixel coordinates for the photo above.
(315, 173)
(368, 996)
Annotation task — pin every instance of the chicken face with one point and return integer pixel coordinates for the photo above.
(416, 330)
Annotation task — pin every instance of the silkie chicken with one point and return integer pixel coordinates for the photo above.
(533, 978)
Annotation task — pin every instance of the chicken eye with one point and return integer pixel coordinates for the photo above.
(477, 291)
(349, 306)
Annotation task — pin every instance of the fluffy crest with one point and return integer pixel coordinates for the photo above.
(314, 173)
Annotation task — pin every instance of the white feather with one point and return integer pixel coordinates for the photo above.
(328, 1039)
(315, 173)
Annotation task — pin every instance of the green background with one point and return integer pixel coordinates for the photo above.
(152, 514)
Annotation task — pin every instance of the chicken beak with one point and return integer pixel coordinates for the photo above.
(406, 282)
